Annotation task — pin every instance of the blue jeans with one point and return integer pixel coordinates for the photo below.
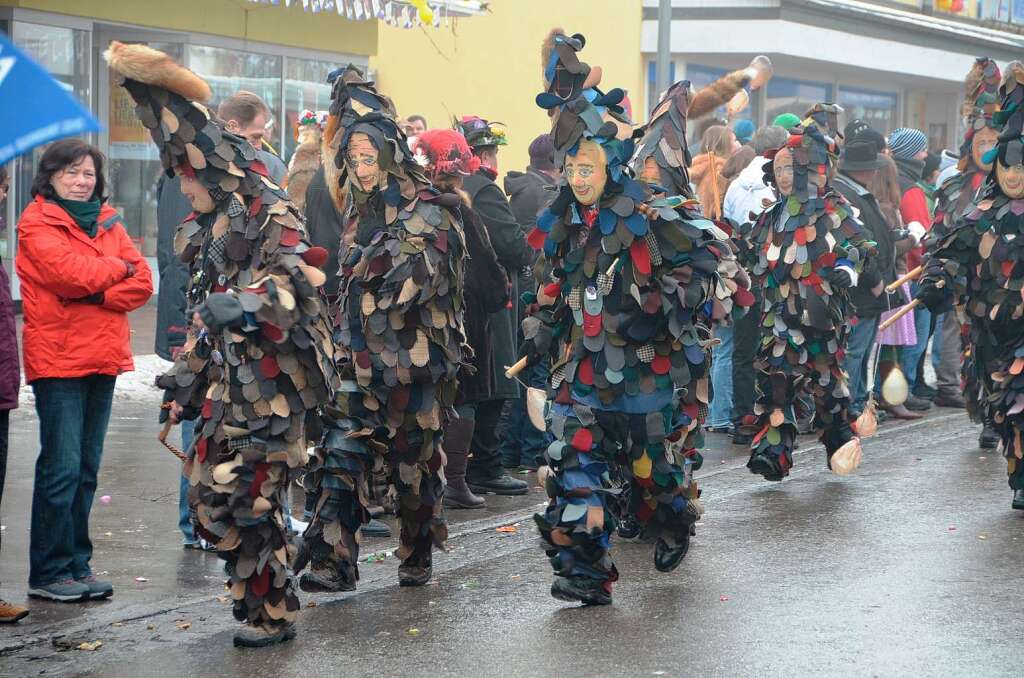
(911, 355)
(720, 414)
(73, 415)
(858, 351)
(522, 444)
(184, 523)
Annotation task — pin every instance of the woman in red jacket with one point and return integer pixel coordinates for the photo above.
(80, 276)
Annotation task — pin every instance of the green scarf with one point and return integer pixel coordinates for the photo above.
(84, 212)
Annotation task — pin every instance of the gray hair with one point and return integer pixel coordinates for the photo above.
(769, 138)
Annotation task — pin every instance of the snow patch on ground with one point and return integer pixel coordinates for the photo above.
(137, 386)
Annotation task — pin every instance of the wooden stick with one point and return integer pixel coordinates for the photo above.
(519, 366)
(905, 278)
(914, 303)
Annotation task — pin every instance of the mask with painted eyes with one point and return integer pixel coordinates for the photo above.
(782, 166)
(587, 173)
(651, 173)
(1011, 180)
(983, 141)
(363, 160)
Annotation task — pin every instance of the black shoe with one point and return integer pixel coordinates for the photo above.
(989, 438)
(582, 590)
(329, 578)
(415, 571)
(742, 439)
(262, 636)
(667, 558)
(763, 465)
(917, 404)
(629, 528)
(1018, 500)
(503, 484)
(953, 400)
(375, 528)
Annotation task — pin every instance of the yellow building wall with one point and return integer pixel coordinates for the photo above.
(229, 18)
(490, 65)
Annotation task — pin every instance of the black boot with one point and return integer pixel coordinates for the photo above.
(262, 636)
(629, 528)
(457, 436)
(582, 590)
(375, 528)
(499, 484)
(989, 438)
(666, 556)
(1018, 499)
(763, 465)
(415, 570)
(330, 576)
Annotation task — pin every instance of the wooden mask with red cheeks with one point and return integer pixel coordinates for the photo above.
(363, 160)
(1011, 180)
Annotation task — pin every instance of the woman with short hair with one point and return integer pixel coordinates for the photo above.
(80, 276)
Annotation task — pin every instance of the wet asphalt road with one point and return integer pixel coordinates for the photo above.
(910, 567)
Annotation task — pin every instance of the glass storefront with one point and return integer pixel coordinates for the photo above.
(878, 109)
(64, 52)
(305, 87)
(787, 95)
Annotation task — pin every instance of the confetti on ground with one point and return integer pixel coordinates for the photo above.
(952, 528)
(414, 632)
(507, 529)
(311, 603)
(90, 646)
(982, 536)
(105, 499)
(515, 576)
(118, 624)
(723, 598)
(150, 627)
(184, 626)
(141, 579)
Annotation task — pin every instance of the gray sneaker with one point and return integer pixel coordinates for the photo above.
(67, 591)
(97, 589)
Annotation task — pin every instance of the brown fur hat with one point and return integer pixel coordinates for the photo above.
(152, 67)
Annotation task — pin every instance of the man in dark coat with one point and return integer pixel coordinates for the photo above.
(857, 168)
(324, 226)
(485, 473)
(529, 192)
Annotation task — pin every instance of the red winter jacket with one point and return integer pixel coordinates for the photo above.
(58, 262)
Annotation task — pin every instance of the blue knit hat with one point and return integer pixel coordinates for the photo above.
(744, 130)
(905, 143)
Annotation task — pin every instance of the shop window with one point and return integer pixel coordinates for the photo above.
(786, 95)
(305, 87)
(228, 71)
(878, 109)
(135, 169)
(64, 53)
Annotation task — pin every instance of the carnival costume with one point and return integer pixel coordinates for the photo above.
(255, 372)
(400, 339)
(980, 263)
(625, 320)
(956, 196)
(804, 254)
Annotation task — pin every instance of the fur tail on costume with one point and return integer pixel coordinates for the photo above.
(717, 93)
(145, 64)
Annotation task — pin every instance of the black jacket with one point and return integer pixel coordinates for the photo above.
(880, 267)
(171, 325)
(324, 227)
(513, 253)
(528, 195)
